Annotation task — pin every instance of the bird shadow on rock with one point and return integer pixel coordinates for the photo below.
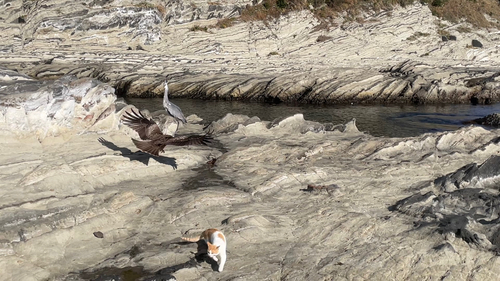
(138, 156)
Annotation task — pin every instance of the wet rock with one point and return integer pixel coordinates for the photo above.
(489, 120)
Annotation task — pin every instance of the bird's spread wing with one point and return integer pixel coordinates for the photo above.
(157, 145)
(146, 128)
(188, 140)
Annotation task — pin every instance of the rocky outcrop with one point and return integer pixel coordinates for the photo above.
(489, 120)
(315, 201)
(389, 57)
(407, 82)
(462, 205)
(53, 107)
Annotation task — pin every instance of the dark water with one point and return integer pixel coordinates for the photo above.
(377, 120)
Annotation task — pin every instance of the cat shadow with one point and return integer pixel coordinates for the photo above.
(138, 156)
(201, 254)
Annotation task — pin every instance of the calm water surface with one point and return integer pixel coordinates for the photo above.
(377, 120)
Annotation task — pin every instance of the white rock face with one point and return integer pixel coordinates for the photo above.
(68, 104)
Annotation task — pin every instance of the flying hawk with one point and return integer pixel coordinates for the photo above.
(153, 140)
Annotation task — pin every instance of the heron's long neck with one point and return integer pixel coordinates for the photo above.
(165, 95)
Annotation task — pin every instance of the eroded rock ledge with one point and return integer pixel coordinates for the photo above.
(391, 57)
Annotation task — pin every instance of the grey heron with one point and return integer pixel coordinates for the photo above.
(153, 140)
(171, 108)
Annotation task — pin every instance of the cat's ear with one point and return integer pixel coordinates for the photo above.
(218, 247)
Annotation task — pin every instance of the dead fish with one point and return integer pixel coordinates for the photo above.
(318, 188)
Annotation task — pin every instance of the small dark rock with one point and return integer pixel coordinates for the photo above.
(211, 163)
(98, 234)
(452, 37)
(476, 43)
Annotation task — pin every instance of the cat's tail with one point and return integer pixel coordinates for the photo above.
(195, 239)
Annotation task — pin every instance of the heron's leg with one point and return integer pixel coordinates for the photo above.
(176, 127)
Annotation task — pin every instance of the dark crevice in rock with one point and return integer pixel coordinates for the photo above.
(122, 87)
(27, 202)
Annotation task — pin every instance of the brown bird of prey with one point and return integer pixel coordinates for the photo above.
(153, 140)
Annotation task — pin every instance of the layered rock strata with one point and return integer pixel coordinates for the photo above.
(395, 56)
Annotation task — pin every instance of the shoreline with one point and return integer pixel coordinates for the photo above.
(389, 58)
(405, 83)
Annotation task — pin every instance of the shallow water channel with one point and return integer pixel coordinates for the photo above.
(377, 120)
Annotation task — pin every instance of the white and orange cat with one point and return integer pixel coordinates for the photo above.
(216, 242)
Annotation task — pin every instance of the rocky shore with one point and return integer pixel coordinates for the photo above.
(397, 56)
(296, 199)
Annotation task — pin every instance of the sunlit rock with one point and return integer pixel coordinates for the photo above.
(63, 105)
(230, 123)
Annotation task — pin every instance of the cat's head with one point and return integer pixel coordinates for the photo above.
(212, 249)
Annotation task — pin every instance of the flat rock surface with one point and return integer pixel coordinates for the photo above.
(297, 200)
